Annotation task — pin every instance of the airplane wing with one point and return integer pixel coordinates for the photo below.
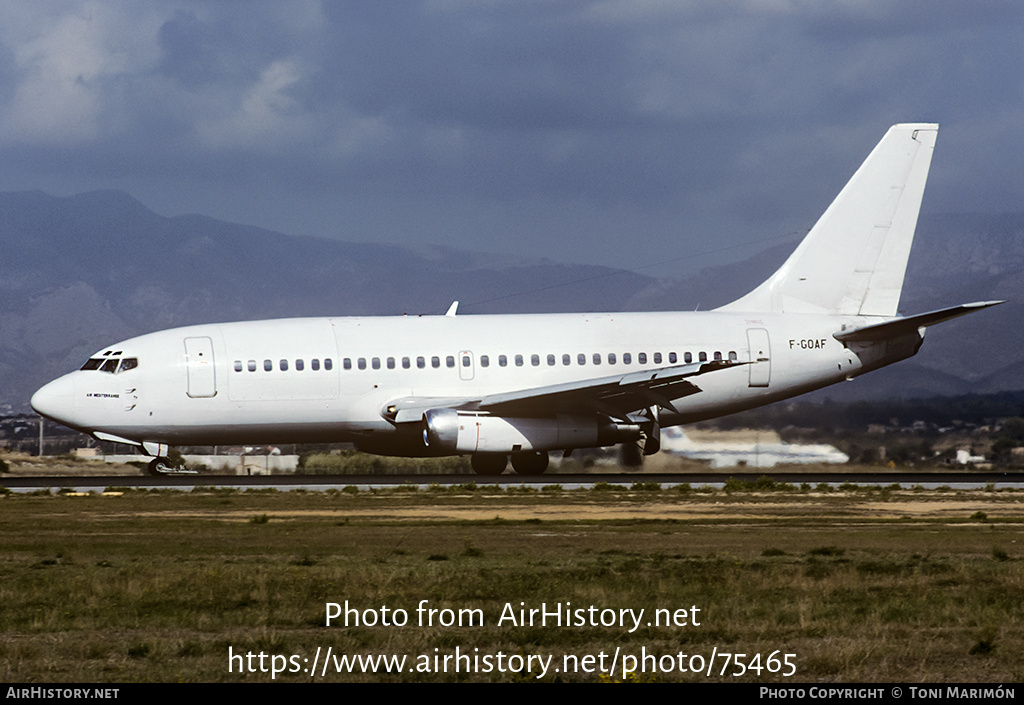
(615, 396)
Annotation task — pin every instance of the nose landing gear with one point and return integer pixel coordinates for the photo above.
(165, 466)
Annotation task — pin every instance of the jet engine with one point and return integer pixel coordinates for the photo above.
(451, 431)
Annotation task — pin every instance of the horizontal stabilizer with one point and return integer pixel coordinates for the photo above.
(897, 326)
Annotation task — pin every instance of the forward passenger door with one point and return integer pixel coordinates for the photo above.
(202, 376)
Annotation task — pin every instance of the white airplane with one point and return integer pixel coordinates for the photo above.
(731, 453)
(519, 386)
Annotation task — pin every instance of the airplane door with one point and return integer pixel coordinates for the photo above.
(202, 379)
(465, 365)
(760, 357)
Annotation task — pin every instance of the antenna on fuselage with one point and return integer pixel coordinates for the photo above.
(452, 309)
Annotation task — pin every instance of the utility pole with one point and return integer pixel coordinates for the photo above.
(41, 422)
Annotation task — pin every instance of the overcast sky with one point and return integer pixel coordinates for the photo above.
(621, 133)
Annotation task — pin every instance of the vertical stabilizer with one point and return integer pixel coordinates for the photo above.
(854, 258)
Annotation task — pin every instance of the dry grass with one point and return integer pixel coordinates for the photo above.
(861, 585)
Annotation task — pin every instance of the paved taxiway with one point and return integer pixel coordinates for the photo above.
(322, 482)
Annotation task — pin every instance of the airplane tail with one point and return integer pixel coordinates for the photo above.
(854, 258)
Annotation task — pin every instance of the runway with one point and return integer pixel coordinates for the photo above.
(324, 482)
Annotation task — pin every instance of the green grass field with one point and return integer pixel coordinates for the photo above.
(859, 585)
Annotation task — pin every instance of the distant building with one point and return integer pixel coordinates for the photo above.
(964, 457)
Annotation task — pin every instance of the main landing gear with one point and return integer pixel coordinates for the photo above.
(523, 462)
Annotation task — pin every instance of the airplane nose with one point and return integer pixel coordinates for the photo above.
(56, 399)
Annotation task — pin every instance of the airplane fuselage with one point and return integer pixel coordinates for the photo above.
(332, 379)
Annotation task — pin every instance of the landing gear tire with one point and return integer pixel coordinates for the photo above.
(488, 463)
(529, 463)
(161, 466)
(631, 456)
(165, 466)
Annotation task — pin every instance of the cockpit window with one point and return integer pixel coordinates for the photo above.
(112, 365)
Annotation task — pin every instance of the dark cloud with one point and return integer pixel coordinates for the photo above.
(607, 132)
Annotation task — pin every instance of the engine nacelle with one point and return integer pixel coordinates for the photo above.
(451, 431)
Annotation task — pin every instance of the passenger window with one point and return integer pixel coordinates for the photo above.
(421, 362)
(450, 361)
(551, 360)
(566, 359)
(732, 356)
(718, 356)
(300, 365)
(641, 358)
(315, 363)
(346, 363)
(284, 365)
(597, 358)
(502, 361)
(657, 358)
(627, 358)
(672, 358)
(581, 359)
(485, 361)
(375, 363)
(361, 363)
(535, 360)
(268, 365)
(702, 357)
(391, 363)
(327, 363)
(238, 365)
(466, 362)
(406, 363)
(611, 358)
(687, 358)
(435, 361)
(252, 365)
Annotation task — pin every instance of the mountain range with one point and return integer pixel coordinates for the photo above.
(80, 272)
